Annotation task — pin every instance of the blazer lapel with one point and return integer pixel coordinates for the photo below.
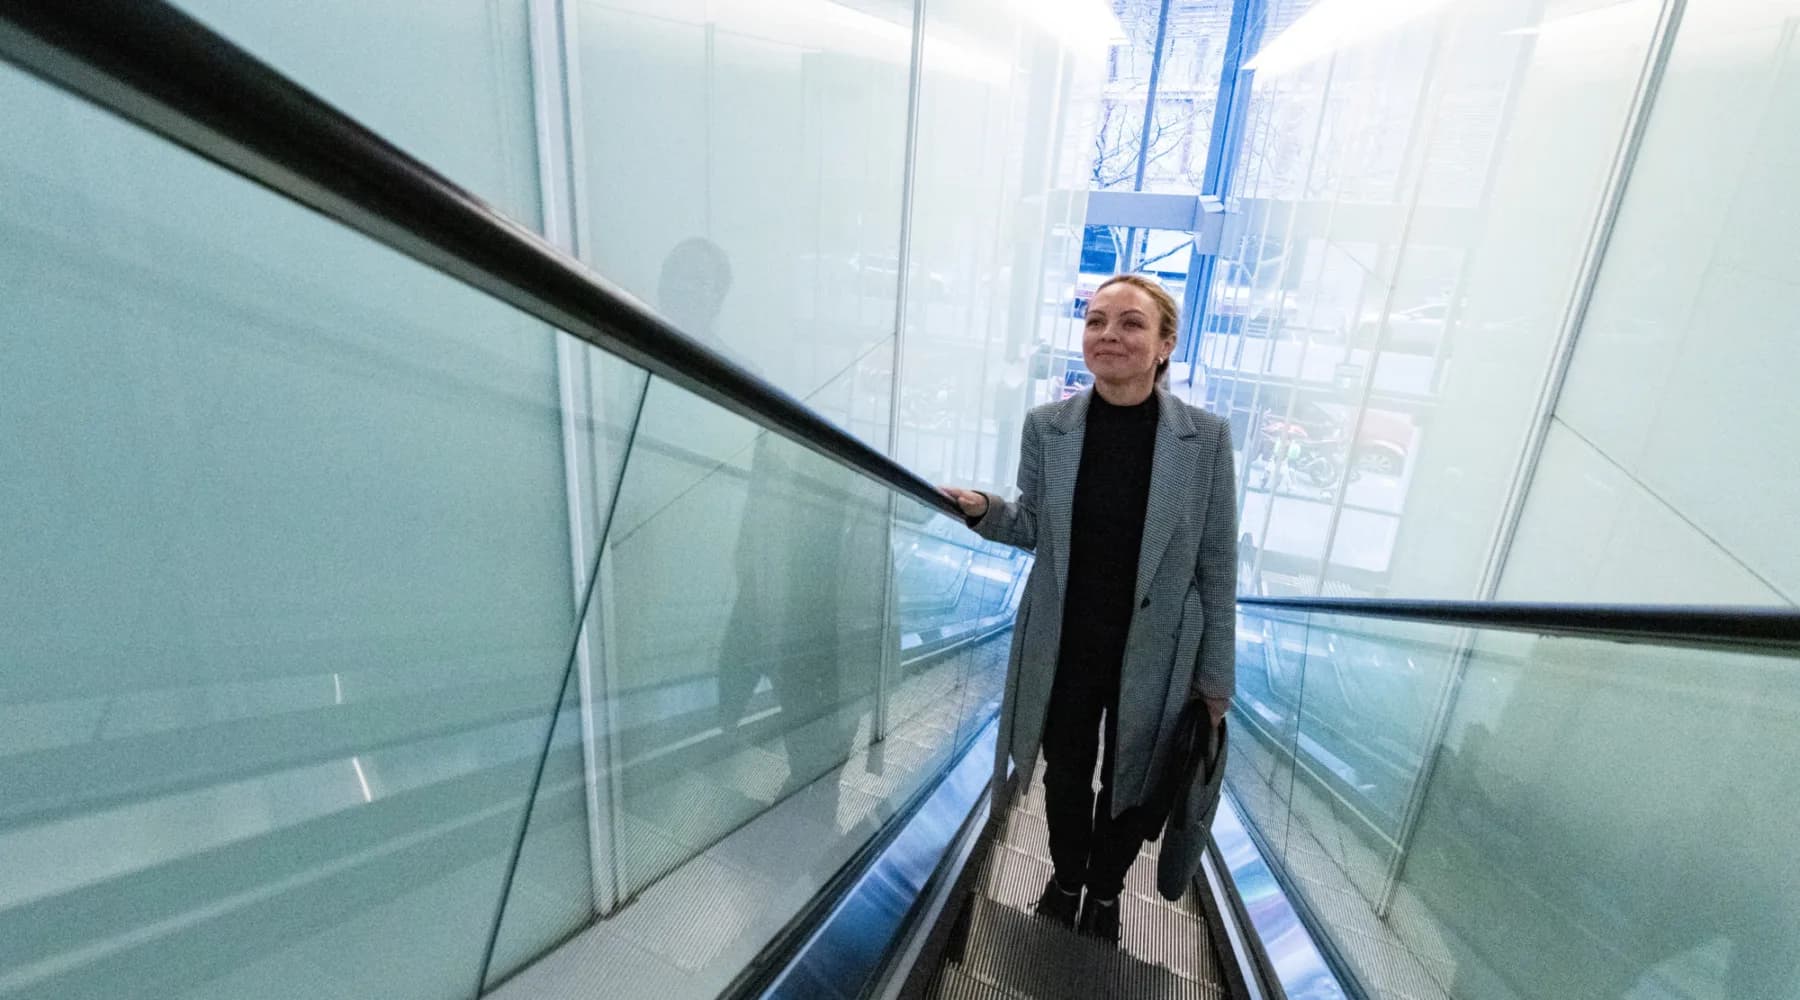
(1171, 478)
(1061, 462)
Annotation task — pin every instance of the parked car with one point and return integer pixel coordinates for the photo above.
(1384, 439)
(1418, 328)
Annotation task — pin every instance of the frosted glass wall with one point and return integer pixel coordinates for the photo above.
(739, 167)
(287, 571)
(1660, 481)
(1508, 815)
(1666, 476)
(449, 82)
(1415, 193)
(1599, 819)
(742, 167)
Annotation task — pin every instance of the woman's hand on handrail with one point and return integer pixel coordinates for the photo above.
(974, 503)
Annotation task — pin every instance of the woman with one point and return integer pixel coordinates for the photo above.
(1126, 496)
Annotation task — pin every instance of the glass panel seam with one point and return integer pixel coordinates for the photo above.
(550, 97)
(1662, 44)
(1656, 62)
(903, 255)
(556, 706)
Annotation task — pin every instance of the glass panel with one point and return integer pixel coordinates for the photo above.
(1271, 672)
(556, 885)
(743, 621)
(1612, 820)
(288, 584)
(1416, 188)
(741, 165)
(1693, 313)
(743, 630)
(448, 81)
(955, 598)
(318, 502)
(1002, 572)
(1371, 689)
(937, 604)
(1598, 820)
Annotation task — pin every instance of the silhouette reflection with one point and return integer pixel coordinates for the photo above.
(808, 566)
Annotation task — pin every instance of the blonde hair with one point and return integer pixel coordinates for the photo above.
(1165, 304)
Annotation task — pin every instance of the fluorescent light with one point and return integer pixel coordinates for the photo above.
(1077, 23)
(362, 779)
(1332, 25)
(1608, 19)
(825, 26)
(997, 574)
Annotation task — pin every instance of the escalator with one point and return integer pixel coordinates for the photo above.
(996, 948)
(1428, 799)
(1487, 825)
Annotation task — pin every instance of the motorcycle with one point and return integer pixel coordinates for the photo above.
(1315, 461)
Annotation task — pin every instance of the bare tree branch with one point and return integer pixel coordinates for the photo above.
(1144, 265)
(1116, 143)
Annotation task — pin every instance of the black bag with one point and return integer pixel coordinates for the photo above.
(1188, 798)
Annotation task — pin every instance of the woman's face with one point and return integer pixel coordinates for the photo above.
(1120, 341)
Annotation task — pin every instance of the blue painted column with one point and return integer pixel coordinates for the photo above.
(1247, 20)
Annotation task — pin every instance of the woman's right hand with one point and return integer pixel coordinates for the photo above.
(974, 503)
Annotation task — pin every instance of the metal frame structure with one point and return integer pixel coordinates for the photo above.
(1205, 214)
(553, 80)
(890, 653)
(1221, 160)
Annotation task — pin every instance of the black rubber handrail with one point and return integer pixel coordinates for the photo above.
(153, 65)
(1766, 629)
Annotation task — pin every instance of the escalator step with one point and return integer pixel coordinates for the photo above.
(953, 984)
(1025, 956)
(1155, 931)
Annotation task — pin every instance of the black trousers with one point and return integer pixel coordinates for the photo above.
(1088, 845)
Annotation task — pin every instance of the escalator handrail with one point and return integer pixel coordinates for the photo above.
(1769, 629)
(153, 65)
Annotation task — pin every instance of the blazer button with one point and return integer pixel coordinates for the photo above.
(1145, 604)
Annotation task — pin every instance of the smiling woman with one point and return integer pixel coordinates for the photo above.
(1130, 320)
(1126, 495)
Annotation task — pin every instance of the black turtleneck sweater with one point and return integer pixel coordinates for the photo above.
(1112, 490)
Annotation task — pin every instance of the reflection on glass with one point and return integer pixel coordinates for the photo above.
(1379, 327)
(744, 630)
(747, 691)
(954, 595)
(287, 584)
(759, 148)
(1271, 665)
(1597, 820)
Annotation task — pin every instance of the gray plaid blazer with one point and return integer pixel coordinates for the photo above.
(1181, 643)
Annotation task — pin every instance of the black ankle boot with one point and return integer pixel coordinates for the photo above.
(1101, 919)
(1058, 904)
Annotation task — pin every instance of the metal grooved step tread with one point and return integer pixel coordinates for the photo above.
(1001, 951)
